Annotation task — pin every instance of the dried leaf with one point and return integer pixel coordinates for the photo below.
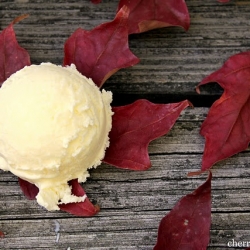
(12, 56)
(101, 52)
(96, 1)
(150, 14)
(226, 128)
(187, 225)
(134, 126)
(30, 190)
(85, 208)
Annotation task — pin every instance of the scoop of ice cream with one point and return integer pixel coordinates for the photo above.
(54, 126)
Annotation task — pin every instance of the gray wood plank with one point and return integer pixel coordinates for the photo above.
(132, 204)
(173, 61)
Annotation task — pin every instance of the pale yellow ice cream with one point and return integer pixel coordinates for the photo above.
(54, 126)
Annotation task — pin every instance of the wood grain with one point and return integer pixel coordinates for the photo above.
(132, 204)
(173, 61)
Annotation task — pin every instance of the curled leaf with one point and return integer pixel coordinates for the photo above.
(30, 190)
(85, 208)
(151, 14)
(226, 128)
(134, 126)
(187, 225)
(12, 56)
(101, 52)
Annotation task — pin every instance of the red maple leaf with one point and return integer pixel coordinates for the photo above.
(134, 126)
(187, 225)
(12, 56)
(30, 190)
(101, 52)
(150, 14)
(85, 208)
(226, 128)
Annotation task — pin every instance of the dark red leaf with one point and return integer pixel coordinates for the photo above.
(101, 52)
(30, 190)
(134, 126)
(85, 208)
(187, 225)
(12, 56)
(151, 14)
(226, 128)
(1, 234)
(96, 1)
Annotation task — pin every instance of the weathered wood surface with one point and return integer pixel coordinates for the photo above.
(132, 204)
(173, 61)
